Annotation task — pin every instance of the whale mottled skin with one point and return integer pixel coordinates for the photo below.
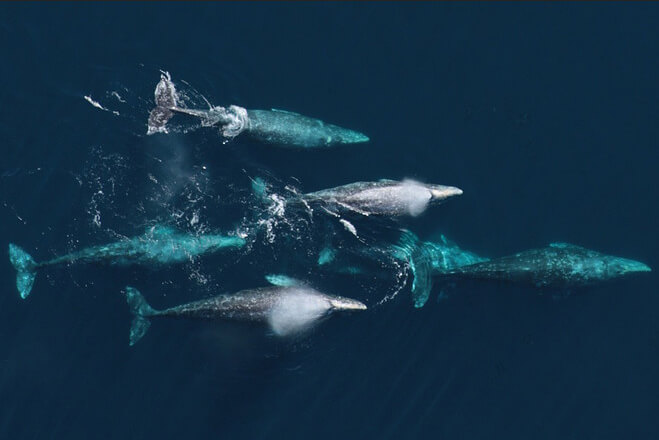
(285, 309)
(270, 126)
(384, 197)
(159, 245)
(558, 265)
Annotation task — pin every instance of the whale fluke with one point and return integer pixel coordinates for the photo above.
(419, 262)
(141, 311)
(26, 269)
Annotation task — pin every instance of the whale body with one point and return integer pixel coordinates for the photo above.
(286, 309)
(159, 245)
(558, 265)
(270, 126)
(384, 197)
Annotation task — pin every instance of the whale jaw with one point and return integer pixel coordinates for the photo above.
(441, 192)
(339, 303)
(627, 266)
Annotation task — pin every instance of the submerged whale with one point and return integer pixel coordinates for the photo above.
(384, 197)
(286, 309)
(159, 245)
(427, 259)
(271, 126)
(558, 265)
(424, 259)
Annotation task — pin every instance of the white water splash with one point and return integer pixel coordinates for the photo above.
(349, 227)
(96, 104)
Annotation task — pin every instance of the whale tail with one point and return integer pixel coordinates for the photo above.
(165, 99)
(141, 311)
(416, 255)
(26, 269)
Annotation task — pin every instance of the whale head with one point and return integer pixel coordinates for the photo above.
(439, 193)
(299, 308)
(618, 267)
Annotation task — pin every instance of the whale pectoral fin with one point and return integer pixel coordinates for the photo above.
(26, 269)
(326, 255)
(283, 280)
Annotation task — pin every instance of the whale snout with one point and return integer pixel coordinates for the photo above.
(441, 192)
(353, 137)
(347, 304)
(637, 266)
(624, 266)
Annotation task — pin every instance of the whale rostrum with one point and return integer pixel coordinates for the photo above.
(274, 126)
(286, 309)
(159, 245)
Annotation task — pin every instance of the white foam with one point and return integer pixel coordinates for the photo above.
(349, 226)
(118, 96)
(96, 104)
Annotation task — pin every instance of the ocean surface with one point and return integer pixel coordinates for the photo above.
(546, 115)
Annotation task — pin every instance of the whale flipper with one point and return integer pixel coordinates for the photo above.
(283, 281)
(141, 311)
(26, 269)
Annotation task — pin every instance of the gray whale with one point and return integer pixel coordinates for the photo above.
(270, 126)
(384, 197)
(557, 265)
(159, 245)
(286, 309)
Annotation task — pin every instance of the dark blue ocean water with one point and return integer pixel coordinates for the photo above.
(546, 115)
